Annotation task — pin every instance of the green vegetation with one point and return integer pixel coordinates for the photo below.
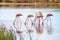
(4, 35)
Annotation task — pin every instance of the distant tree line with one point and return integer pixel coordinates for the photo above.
(30, 1)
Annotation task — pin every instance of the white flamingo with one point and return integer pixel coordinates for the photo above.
(49, 23)
(28, 24)
(17, 25)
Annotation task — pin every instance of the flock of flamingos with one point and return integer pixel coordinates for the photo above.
(37, 23)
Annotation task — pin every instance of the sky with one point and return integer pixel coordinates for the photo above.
(8, 14)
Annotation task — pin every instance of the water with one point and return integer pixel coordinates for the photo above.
(7, 16)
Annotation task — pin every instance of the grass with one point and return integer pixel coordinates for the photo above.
(4, 35)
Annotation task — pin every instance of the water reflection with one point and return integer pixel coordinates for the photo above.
(26, 35)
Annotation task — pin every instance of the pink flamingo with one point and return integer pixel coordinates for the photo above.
(49, 23)
(28, 24)
(17, 25)
(17, 16)
(39, 23)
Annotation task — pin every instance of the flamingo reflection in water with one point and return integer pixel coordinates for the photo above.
(17, 25)
(28, 24)
(49, 23)
(38, 22)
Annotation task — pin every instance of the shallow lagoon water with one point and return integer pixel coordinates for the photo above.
(7, 15)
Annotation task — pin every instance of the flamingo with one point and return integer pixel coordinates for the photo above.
(28, 24)
(49, 23)
(17, 25)
(39, 22)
